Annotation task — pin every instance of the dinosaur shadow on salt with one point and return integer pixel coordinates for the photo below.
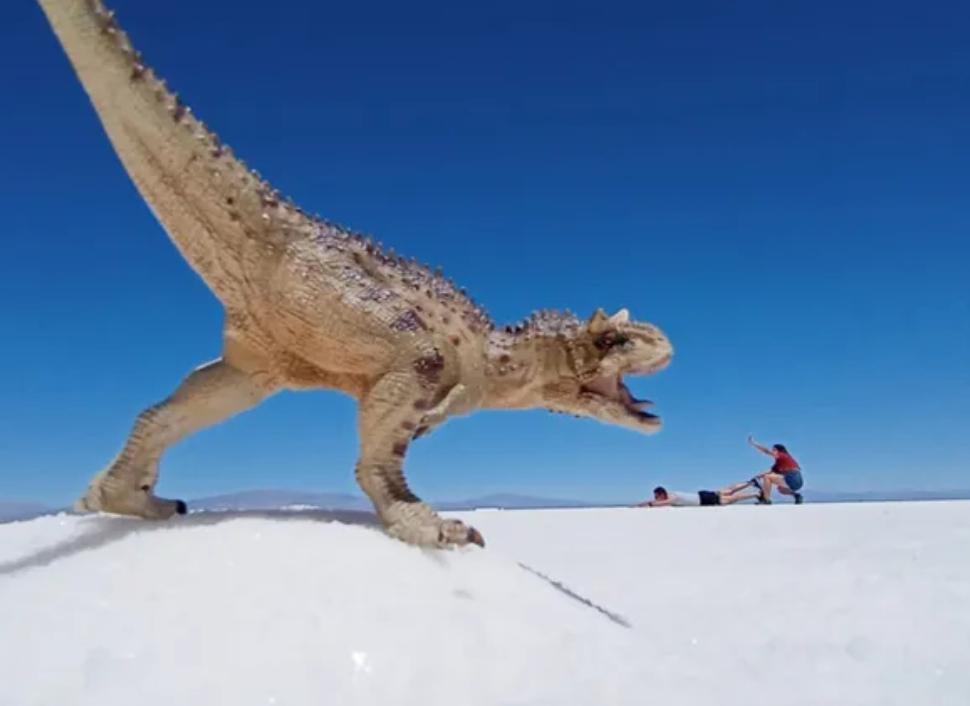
(99, 531)
(291, 606)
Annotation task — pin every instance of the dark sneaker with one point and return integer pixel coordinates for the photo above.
(799, 499)
(762, 500)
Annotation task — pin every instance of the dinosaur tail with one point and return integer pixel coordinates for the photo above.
(218, 213)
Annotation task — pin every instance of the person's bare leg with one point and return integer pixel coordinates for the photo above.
(734, 487)
(207, 396)
(768, 482)
(731, 498)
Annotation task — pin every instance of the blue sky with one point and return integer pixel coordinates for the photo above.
(782, 188)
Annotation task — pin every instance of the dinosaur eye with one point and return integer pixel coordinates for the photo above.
(609, 340)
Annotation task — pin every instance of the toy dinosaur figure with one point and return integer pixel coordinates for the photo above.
(310, 305)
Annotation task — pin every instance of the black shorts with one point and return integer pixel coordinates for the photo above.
(709, 497)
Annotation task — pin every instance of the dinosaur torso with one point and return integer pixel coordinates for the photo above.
(329, 308)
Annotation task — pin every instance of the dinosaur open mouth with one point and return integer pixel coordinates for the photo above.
(612, 388)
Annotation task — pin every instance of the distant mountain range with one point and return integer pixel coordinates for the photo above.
(10, 511)
(274, 499)
(835, 496)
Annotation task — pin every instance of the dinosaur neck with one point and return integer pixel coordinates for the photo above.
(519, 366)
(216, 211)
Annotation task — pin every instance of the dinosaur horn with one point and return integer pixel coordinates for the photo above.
(620, 317)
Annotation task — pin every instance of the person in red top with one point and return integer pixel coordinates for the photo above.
(785, 474)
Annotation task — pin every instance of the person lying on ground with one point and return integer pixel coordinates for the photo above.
(785, 474)
(725, 496)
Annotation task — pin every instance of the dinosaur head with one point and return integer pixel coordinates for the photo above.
(602, 352)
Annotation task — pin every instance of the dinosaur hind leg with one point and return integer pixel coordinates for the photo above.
(209, 395)
(390, 415)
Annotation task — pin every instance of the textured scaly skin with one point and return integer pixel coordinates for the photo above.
(310, 305)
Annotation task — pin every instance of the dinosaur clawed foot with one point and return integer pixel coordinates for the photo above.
(458, 533)
(421, 526)
(137, 503)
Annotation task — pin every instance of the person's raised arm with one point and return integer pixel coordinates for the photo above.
(762, 449)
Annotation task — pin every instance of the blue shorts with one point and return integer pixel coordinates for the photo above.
(793, 479)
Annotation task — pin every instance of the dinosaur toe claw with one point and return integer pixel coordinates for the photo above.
(457, 533)
(475, 537)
